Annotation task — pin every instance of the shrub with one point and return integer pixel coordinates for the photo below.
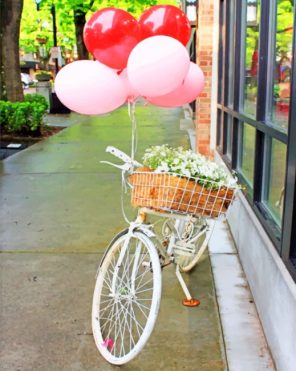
(25, 117)
(37, 98)
(43, 75)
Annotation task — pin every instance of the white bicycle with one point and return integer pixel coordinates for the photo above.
(128, 284)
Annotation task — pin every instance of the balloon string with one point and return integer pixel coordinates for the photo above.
(134, 129)
(131, 104)
(129, 108)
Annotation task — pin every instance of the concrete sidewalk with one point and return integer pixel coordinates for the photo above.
(59, 209)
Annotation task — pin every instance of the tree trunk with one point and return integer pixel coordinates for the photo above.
(79, 20)
(10, 77)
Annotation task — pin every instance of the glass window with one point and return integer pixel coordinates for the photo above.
(255, 142)
(251, 57)
(282, 64)
(219, 129)
(246, 163)
(275, 187)
(229, 136)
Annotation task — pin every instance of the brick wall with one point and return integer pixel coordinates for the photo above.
(204, 52)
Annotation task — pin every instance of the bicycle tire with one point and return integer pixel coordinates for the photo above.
(122, 318)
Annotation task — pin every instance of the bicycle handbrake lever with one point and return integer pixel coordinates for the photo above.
(125, 166)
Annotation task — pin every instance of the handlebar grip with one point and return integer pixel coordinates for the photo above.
(121, 155)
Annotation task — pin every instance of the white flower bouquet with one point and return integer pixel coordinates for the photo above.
(179, 180)
(186, 163)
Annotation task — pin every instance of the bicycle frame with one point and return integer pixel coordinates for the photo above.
(127, 293)
(139, 224)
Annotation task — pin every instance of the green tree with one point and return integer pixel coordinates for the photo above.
(10, 81)
(284, 27)
(71, 18)
(36, 25)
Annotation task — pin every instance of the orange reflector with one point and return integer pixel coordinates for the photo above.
(191, 302)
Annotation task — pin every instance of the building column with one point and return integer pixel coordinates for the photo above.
(205, 52)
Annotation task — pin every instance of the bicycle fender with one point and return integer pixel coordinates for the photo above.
(147, 232)
(118, 235)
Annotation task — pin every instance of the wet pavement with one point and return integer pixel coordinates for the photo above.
(59, 209)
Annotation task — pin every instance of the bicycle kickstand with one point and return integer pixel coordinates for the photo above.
(189, 301)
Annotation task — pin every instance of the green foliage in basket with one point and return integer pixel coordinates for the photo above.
(186, 163)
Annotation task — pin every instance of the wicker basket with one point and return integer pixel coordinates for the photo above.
(169, 193)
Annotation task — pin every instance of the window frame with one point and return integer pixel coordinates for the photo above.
(289, 219)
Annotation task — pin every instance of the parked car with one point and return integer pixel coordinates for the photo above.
(26, 80)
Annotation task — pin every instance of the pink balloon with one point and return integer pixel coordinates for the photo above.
(186, 92)
(89, 87)
(131, 92)
(157, 65)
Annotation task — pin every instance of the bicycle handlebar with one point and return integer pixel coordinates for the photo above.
(122, 156)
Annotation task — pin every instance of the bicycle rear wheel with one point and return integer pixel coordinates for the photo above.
(126, 297)
(189, 250)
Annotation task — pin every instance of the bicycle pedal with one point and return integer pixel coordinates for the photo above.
(191, 302)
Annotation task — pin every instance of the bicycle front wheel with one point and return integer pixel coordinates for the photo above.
(126, 297)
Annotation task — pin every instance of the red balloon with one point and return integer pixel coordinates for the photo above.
(166, 20)
(110, 35)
